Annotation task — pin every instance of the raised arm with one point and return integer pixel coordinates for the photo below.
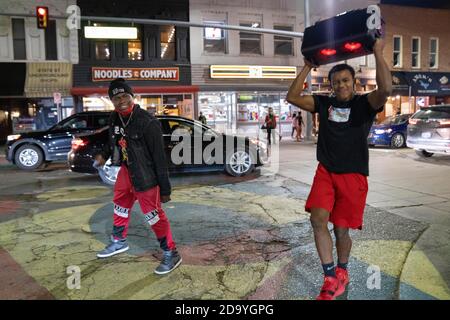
(305, 102)
(379, 97)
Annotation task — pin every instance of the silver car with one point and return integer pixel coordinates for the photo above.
(429, 131)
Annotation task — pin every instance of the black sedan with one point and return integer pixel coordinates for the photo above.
(190, 146)
(31, 150)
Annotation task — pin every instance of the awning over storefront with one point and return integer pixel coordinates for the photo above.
(88, 91)
(45, 78)
(421, 83)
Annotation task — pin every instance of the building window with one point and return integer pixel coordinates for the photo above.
(167, 34)
(214, 39)
(397, 52)
(434, 52)
(51, 52)
(283, 45)
(415, 52)
(135, 47)
(102, 50)
(18, 27)
(250, 42)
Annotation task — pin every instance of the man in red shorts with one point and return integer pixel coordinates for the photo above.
(338, 194)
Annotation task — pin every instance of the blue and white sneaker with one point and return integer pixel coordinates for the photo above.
(113, 248)
(171, 260)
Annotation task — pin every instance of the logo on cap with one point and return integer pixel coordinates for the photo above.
(117, 90)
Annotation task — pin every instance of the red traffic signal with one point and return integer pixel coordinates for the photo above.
(342, 37)
(42, 17)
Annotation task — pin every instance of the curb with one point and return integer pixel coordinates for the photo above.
(419, 273)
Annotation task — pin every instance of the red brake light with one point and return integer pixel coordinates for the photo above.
(352, 46)
(328, 52)
(77, 143)
(444, 122)
(412, 121)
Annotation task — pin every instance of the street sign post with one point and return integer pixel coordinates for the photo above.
(57, 101)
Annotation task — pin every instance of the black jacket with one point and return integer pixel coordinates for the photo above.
(145, 148)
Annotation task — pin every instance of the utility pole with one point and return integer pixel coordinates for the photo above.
(309, 122)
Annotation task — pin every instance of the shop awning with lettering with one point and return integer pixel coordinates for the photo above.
(421, 83)
(45, 78)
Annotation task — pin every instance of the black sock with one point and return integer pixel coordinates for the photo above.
(329, 270)
(342, 265)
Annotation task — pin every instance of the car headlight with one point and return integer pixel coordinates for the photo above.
(13, 137)
(381, 131)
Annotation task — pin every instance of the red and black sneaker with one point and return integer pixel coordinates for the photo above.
(342, 276)
(329, 288)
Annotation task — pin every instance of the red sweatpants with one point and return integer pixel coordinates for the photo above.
(124, 198)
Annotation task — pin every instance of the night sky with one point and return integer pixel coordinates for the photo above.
(443, 4)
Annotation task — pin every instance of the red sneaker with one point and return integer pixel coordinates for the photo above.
(342, 276)
(329, 288)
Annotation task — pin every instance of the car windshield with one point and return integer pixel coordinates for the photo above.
(433, 113)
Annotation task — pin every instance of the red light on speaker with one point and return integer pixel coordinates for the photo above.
(352, 46)
(328, 52)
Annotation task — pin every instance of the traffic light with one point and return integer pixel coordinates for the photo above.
(42, 17)
(346, 36)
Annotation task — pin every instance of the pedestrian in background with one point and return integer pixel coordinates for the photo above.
(270, 123)
(294, 125)
(299, 124)
(202, 118)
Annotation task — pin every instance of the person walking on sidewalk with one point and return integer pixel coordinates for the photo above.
(299, 124)
(136, 144)
(202, 118)
(294, 125)
(270, 122)
(339, 191)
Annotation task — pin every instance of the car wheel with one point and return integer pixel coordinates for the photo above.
(239, 163)
(108, 173)
(423, 153)
(397, 141)
(29, 157)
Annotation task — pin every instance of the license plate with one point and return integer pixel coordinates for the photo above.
(426, 135)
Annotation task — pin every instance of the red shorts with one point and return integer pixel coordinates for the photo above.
(341, 194)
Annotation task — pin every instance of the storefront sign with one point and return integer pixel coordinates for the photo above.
(161, 74)
(45, 78)
(421, 83)
(252, 72)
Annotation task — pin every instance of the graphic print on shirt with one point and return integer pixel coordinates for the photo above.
(122, 142)
(338, 114)
(123, 148)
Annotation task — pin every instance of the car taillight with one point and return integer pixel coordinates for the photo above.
(412, 121)
(77, 143)
(445, 122)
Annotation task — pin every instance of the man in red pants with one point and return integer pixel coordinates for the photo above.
(338, 194)
(136, 144)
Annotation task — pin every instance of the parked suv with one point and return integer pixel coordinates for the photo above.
(429, 131)
(30, 150)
